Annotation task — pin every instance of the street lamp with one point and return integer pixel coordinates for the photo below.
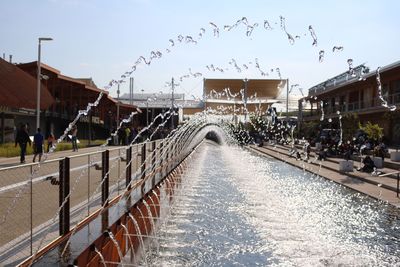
(38, 81)
(118, 91)
(147, 112)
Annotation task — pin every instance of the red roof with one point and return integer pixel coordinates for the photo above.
(18, 89)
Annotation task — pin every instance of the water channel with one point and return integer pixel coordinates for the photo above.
(236, 208)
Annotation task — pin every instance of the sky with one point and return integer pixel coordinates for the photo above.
(103, 39)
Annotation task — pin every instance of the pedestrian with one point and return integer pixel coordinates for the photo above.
(121, 135)
(127, 134)
(22, 139)
(50, 141)
(74, 132)
(38, 141)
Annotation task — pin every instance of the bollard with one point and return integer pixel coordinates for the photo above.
(128, 167)
(105, 156)
(64, 219)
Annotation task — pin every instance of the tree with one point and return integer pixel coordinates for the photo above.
(373, 131)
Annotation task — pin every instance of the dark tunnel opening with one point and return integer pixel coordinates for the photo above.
(213, 136)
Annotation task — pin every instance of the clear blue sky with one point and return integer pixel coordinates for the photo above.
(102, 39)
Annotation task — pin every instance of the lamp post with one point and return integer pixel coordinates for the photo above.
(147, 112)
(38, 81)
(118, 91)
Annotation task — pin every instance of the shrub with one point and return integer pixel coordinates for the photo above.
(373, 131)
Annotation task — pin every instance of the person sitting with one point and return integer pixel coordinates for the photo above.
(322, 154)
(380, 150)
(369, 165)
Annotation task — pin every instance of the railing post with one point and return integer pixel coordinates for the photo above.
(398, 182)
(143, 164)
(167, 159)
(105, 175)
(153, 163)
(31, 211)
(128, 167)
(160, 162)
(64, 222)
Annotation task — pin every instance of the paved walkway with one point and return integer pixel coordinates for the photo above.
(382, 188)
(14, 161)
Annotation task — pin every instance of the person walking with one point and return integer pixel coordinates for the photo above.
(50, 140)
(22, 139)
(38, 141)
(127, 134)
(74, 132)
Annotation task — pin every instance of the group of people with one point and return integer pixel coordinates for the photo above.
(347, 149)
(22, 139)
(126, 135)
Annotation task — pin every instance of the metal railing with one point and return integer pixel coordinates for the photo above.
(29, 202)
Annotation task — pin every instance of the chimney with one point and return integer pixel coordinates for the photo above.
(10, 58)
(4, 56)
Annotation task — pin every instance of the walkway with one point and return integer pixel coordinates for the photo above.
(383, 188)
(14, 161)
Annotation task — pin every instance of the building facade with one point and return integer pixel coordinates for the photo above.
(358, 92)
(62, 98)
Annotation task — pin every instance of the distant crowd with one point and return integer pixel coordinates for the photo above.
(329, 145)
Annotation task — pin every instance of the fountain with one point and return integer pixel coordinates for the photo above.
(239, 213)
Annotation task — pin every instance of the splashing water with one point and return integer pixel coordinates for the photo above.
(130, 242)
(384, 102)
(268, 211)
(102, 260)
(321, 56)
(139, 234)
(201, 33)
(115, 242)
(313, 35)
(278, 71)
(351, 69)
(151, 218)
(215, 29)
(362, 73)
(322, 111)
(341, 128)
(337, 49)
(250, 29)
(267, 26)
(283, 27)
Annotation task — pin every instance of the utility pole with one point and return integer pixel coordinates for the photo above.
(38, 80)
